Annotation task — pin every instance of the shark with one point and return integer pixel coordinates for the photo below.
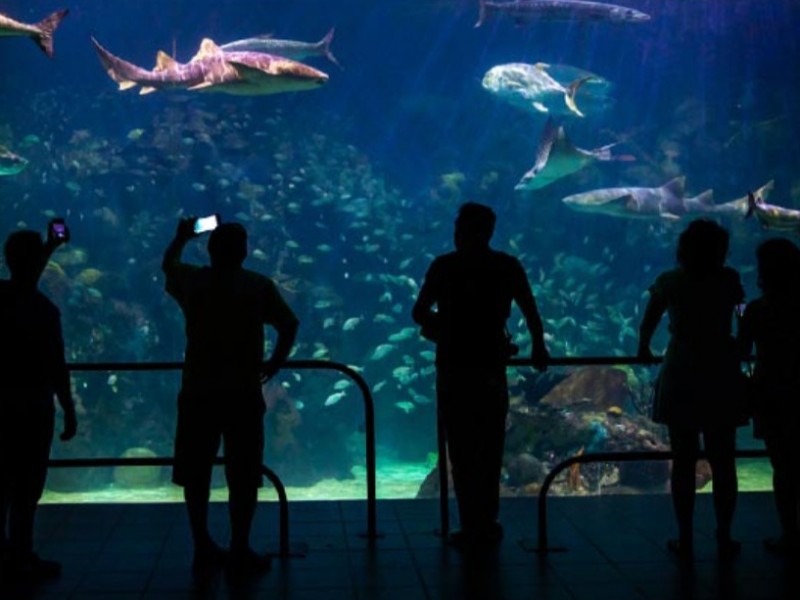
(526, 11)
(41, 33)
(772, 216)
(668, 202)
(214, 70)
(556, 157)
(10, 163)
(533, 87)
(286, 48)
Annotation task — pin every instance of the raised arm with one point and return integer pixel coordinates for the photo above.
(172, 256)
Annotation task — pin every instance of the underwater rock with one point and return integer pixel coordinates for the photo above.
(596, 388)
(524, 470)
(138, 477)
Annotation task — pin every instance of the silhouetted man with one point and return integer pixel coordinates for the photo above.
(472, 289)
(226, 308)
(32, 372)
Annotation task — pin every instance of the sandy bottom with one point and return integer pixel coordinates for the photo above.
(394, 481)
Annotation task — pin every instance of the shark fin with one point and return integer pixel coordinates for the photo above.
(763, 192)
(47, 27)
(540, 107)
(200, 86)
(126, 85)
(247, 72)
(207, 48)
(325, 46)
(629, 202)
(706, 198)
(675, 186)
(146, 90)
(541, 66)
(164, 61)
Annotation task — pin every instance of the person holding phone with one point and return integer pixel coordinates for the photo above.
(32, 372)
(226, 308)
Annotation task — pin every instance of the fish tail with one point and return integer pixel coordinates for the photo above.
(763, 192)
(482, 12)
(124, 73)
(47, 27)
(572, 89)
(751, 205)
(325, 46)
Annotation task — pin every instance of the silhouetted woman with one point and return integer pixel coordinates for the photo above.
(699, 379)
(772, 323)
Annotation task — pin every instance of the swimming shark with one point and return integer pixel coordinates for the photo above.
(772, 216)
(665, 202)
(213, 70)
(556, 157)
(41, 33)
(10, 163)
(286, 48)
(532, 87)
(525, 11)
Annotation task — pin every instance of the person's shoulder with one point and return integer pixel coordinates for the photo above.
(255, 280)
(730, 274)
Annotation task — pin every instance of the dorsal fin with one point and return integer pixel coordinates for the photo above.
(542, 66)
(207, 48)
(164, 61)
(675, 186)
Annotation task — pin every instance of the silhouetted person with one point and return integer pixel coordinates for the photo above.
(32, 372)
(472, 289)
(226, 308)
(700, 376)
(772, 323)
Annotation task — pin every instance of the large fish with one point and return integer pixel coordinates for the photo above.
(212, 70)
(665, 202)
(41, 33)
(10, 163)
(772, 216)
(556, 157)
(286, 48)
(525, 11)
(532, 88)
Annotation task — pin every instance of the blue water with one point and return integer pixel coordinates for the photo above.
(394, 141)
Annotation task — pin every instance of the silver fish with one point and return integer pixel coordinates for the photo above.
(556, 157)
(10, 163)
(212, 70)
(532, 87)
(525, 11)
(286, 48)
(41, 33)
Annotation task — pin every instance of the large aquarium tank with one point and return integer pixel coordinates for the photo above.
(348, 178)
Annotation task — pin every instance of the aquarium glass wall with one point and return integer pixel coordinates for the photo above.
(348, 177)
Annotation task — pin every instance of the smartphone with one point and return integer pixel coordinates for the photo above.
(58, 229)
(740, 309)
(204, 224)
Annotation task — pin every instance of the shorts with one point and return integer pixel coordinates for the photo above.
(204, 422)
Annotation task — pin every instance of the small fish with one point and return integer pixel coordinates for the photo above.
(404, 334)
(286, 48)
(351, 323)
(378, 386)
(526, 11)
(10, 163)
(334, 398)
(342, 384)
(41, 33)
(381, 351)
(405, 406)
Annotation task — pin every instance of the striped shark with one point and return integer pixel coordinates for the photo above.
(772, 216)
(556, 157)
(286, 48)
(212, 70)
(525, 11)
(41, 33)
(10, 163)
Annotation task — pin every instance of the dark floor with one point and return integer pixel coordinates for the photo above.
(614, 549)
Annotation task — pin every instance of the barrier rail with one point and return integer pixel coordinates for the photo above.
(369, 414)
(283, 503)
(606, 457)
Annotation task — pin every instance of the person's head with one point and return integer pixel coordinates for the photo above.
(702, 247)
(778, 266)
(24, 253)
(227, 246)
(474, 226)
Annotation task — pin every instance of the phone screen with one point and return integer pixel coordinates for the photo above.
(740, 309)
(59, 229)
(206, 224)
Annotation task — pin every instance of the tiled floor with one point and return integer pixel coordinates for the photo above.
(614, 548)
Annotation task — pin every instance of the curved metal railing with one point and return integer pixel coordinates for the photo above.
(369, 416)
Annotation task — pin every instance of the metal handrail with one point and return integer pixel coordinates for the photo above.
(650, 455)
(283, 502)
(369, 412)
